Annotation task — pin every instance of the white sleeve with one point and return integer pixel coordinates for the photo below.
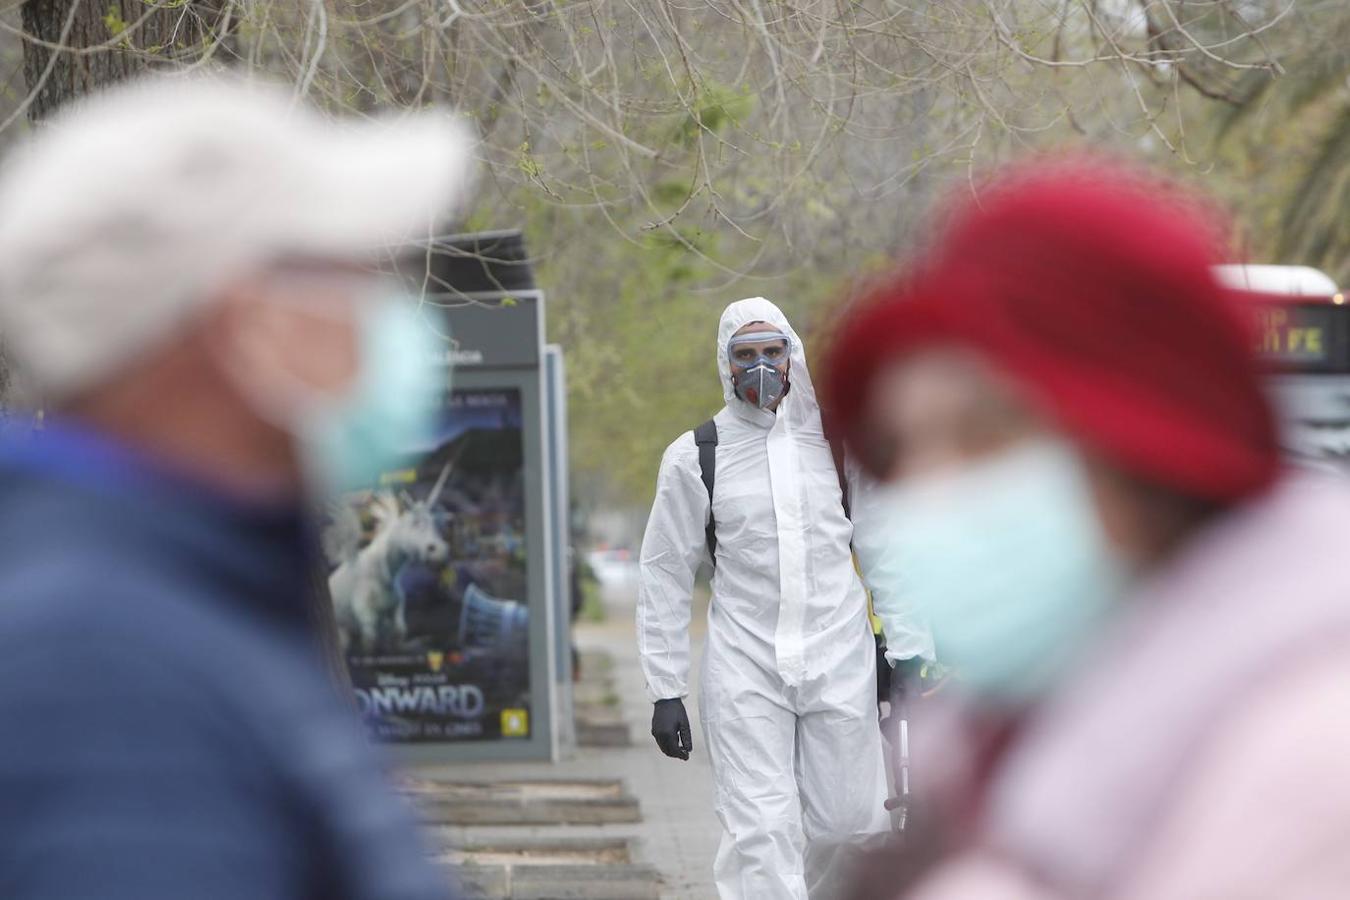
(672, 548)
(907, 634)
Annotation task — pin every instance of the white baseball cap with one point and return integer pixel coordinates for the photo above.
(120, 217)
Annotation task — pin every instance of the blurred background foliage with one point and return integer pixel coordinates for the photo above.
(665, 158)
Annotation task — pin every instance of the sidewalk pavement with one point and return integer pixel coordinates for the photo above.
(679, 832)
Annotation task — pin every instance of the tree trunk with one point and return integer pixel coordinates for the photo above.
(74, 47)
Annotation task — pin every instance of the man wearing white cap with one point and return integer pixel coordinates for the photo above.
(185, 285)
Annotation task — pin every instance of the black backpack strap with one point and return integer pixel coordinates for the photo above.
(840, 466)
(705, 436)
(837, 451)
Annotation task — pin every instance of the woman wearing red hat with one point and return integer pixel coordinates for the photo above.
(1150, 617)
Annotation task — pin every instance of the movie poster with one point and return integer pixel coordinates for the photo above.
(428, 582)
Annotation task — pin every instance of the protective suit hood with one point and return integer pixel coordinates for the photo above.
(800, 403)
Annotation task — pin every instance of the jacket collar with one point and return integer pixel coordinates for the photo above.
(100, 495)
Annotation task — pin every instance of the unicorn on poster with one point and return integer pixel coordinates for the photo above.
(368, 603)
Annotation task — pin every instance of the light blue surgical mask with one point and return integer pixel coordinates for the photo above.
(391, 408)
(388, 412)
(1008, 562)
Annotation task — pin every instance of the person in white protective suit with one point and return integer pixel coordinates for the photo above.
(788, 689)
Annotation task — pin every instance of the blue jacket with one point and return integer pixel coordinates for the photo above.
(166, 726)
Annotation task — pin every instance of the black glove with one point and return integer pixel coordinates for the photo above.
(670, 727)
(907, 677)
(883, 671)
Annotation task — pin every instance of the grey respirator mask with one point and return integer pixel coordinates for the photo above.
(759, 362)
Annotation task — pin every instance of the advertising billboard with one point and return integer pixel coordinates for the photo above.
(430, 594)
(443, 575)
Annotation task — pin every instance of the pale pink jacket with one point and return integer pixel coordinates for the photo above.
(1204, 750)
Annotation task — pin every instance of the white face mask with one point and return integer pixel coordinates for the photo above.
(1008, 561)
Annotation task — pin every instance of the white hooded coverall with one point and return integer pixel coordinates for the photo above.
(788, 690)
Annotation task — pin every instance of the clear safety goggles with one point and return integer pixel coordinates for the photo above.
(754, 348)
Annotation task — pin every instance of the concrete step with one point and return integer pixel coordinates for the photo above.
(630, 882)
(596, 668)
(601, 726)
(603, 734)
(621, 882)
(536, 868)
(553, 850)
(524, 802)
(595, 693)
(599, 720)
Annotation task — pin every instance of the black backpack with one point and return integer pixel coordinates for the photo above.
(705, 436)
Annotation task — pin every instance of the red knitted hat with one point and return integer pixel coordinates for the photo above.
(1093, 288)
